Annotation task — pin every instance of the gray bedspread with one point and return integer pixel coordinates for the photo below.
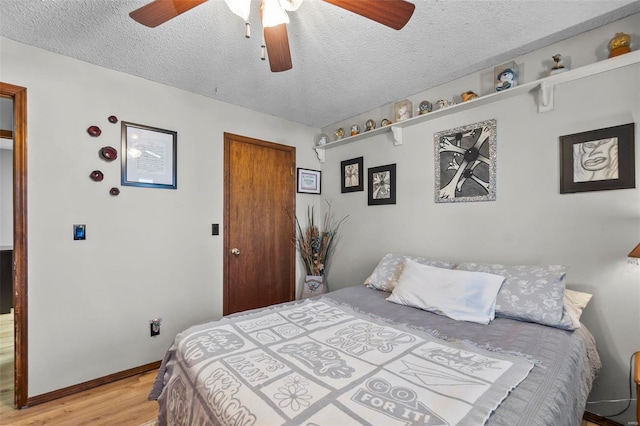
(553, 394)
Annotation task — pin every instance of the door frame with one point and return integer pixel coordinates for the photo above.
(228, 137)
(19, 96)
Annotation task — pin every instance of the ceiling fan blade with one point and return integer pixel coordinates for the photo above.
(392, 13)
(277, 41)
(160, 11)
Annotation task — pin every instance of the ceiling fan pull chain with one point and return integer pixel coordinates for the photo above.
(263, 48)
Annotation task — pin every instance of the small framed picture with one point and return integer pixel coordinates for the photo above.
(505, 76)
(403, 110)
(382, 185)
(309, 181)
(598, 160)
(351, 178)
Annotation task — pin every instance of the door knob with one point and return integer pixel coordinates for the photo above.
(235, 251)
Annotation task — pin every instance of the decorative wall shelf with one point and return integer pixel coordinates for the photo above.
(545, 86)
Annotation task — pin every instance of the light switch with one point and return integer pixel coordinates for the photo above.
(79, 232)
(215, 229)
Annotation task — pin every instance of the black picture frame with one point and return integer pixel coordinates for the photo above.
(598, 160)
(352, 175)
(382, 185)
(309, 181)
(148, 156)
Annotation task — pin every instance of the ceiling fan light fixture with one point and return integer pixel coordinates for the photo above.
(272, 13)
(290, 5)
(240, 8)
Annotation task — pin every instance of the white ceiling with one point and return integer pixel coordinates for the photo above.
(343, 64)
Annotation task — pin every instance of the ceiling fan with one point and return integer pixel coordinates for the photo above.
(392, 13)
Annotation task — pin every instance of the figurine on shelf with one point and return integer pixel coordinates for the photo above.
(355, 129)
(403, 113)
(506, 76)
(322, 139)
(442, 104)
(369, 125)
(467, 96)
(425, 107)
(558, 67)
(339, 133)
(385, 122)
(403, 110)
(619, 44)
(506, 80)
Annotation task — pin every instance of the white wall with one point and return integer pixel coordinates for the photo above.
(6, 114)
(6, 176)
(149, 252)
(530, 222)
(6, 197)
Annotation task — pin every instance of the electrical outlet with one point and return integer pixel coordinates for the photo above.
(154, 326)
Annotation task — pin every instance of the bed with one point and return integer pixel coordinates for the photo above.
(352, 356)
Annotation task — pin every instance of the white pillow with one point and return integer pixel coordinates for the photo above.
(460, 295)
(386, 274)
(574, 304)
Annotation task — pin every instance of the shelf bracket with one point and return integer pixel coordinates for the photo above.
(545, 97)
(320, 152)
(397, 135)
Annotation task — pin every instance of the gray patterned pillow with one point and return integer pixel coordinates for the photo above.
(529, 293)
(386, 275)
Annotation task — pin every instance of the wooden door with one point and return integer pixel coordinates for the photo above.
(259, 223)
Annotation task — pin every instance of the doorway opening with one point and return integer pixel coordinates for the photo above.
(19, 256)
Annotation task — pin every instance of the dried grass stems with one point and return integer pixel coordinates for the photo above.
(316, 245)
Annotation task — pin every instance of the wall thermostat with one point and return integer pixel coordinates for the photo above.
(79, 232)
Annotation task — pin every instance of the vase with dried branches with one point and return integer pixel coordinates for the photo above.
(316, 246)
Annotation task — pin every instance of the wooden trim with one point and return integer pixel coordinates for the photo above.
(594, 418)
(19, 96)
(50, 396)
(636, 378)
(6, 134)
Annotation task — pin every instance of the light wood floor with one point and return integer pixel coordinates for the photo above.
(6, 360)
(119, 403)
(122, 403)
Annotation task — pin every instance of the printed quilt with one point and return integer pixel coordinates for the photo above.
(323, 363)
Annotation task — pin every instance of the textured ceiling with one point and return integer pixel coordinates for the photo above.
(343, 64)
